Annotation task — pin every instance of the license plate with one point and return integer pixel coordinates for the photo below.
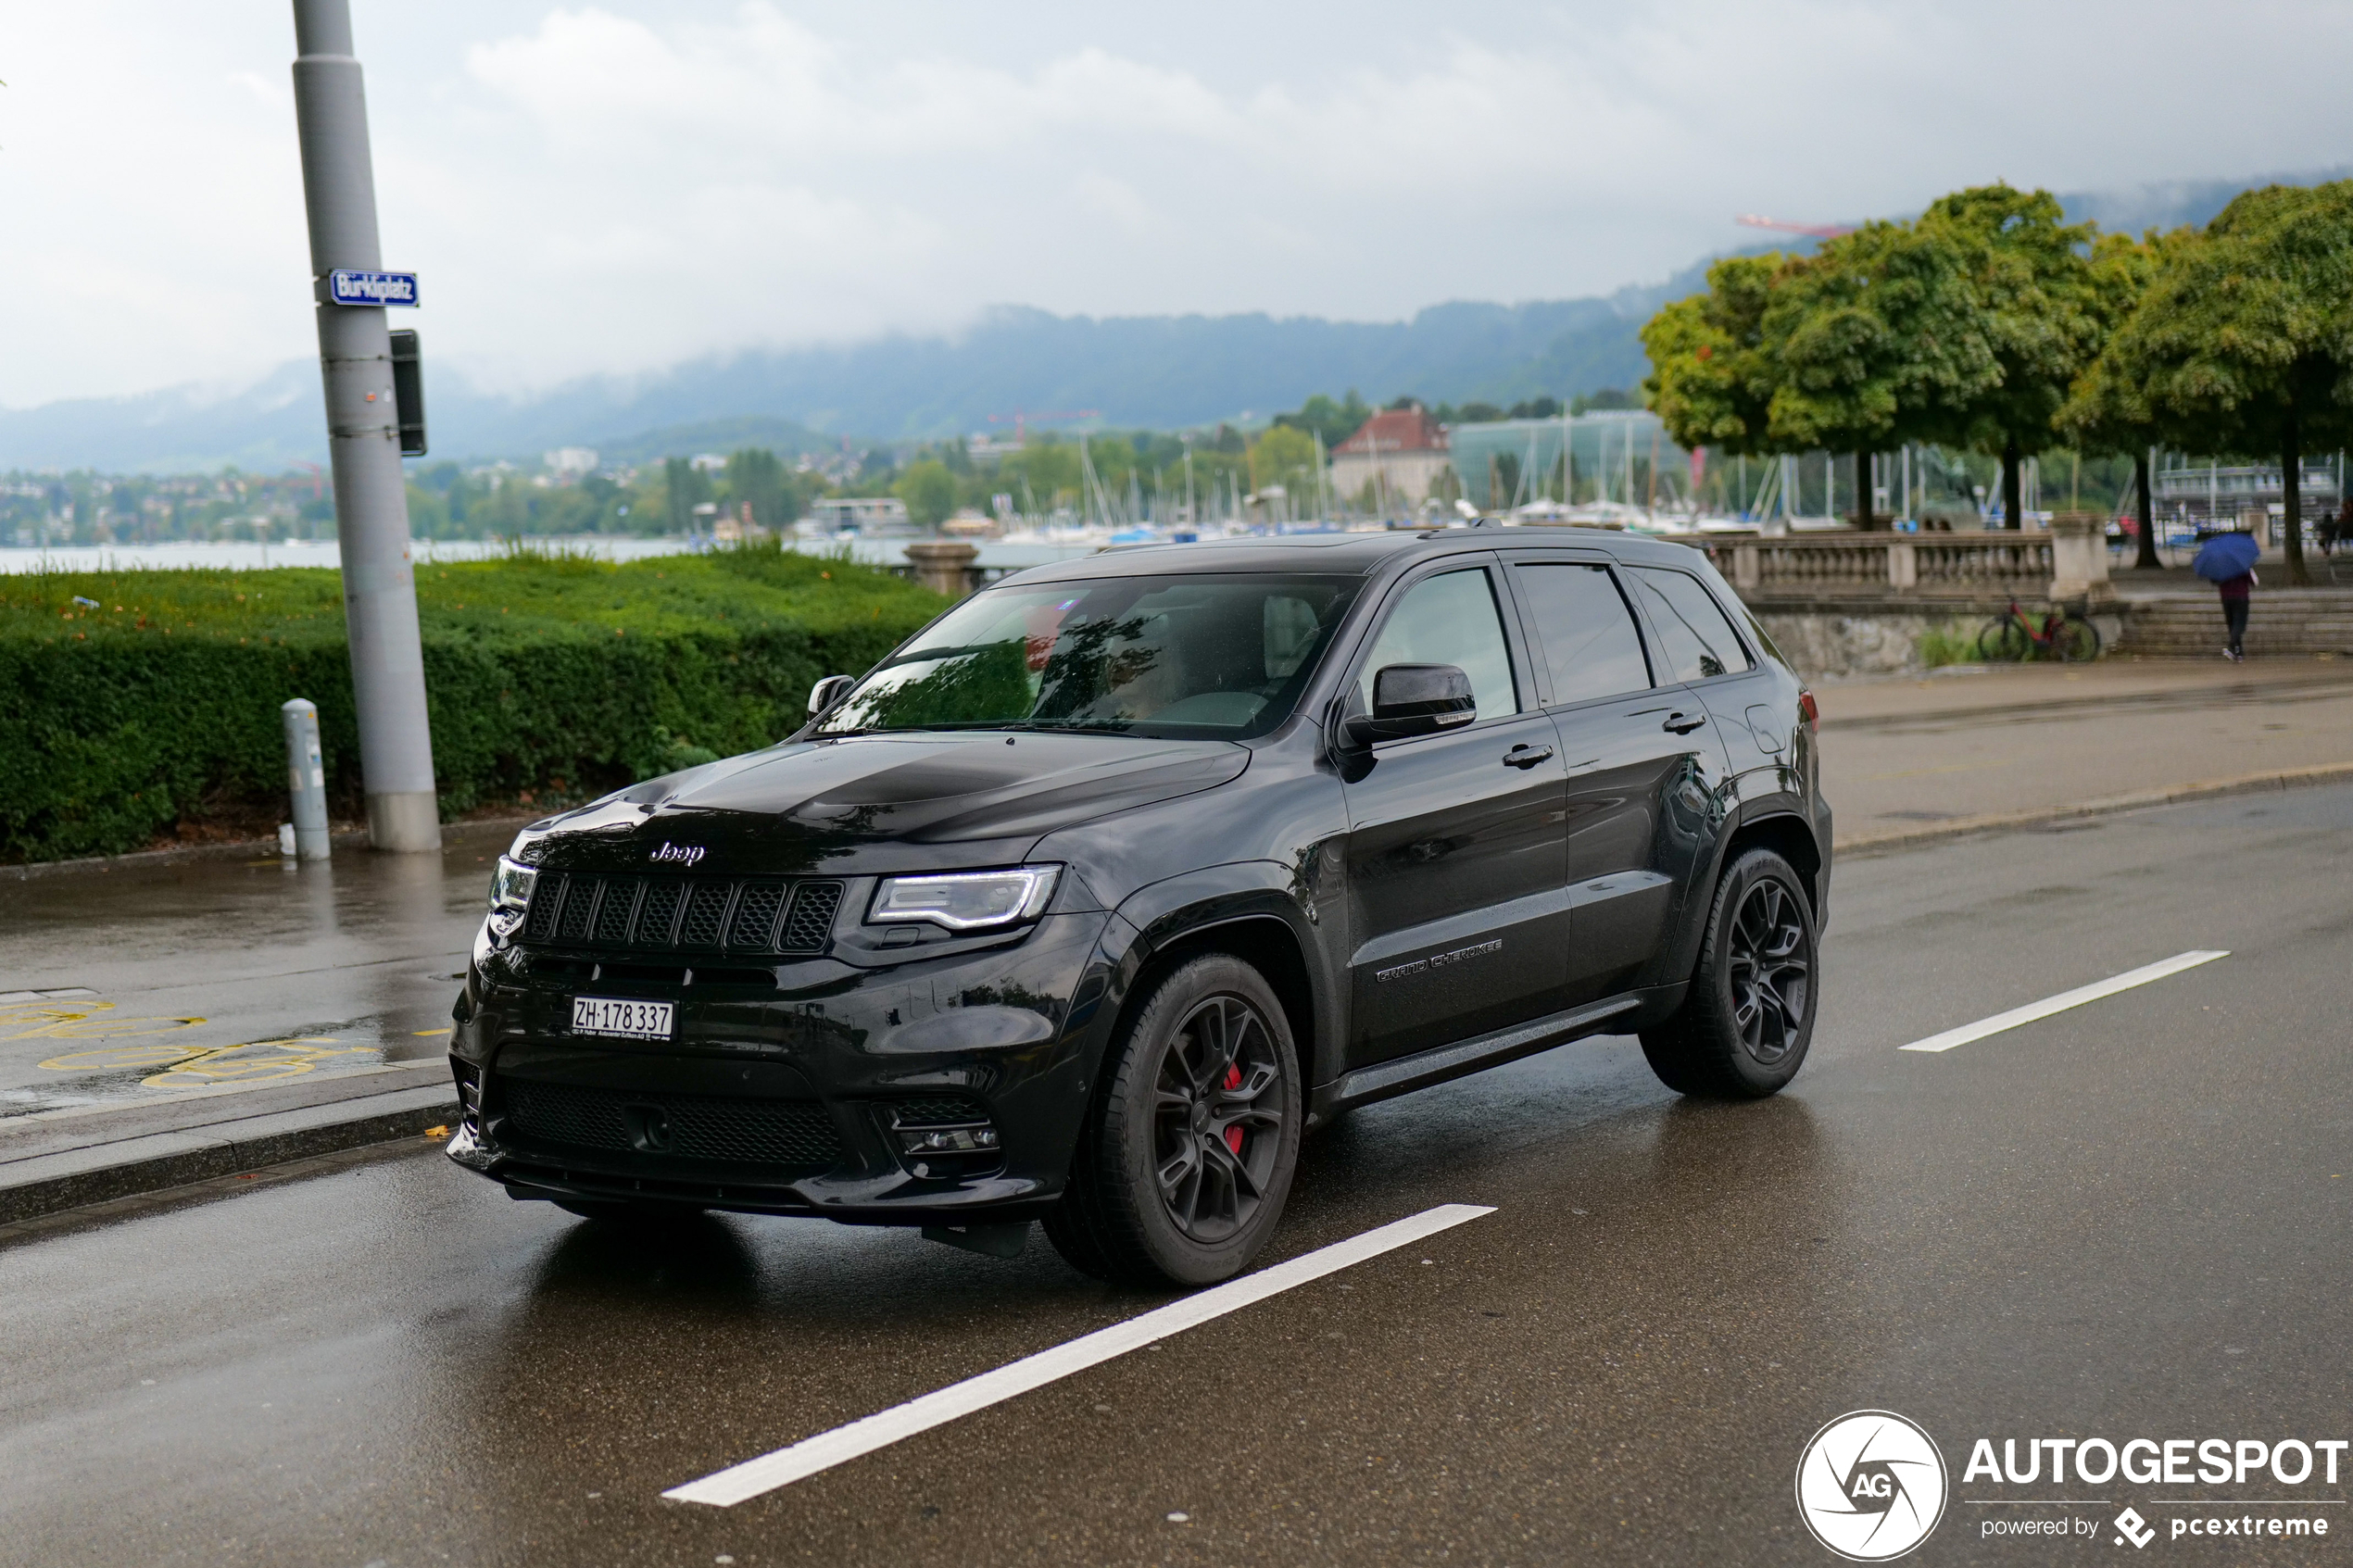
(630, 1020)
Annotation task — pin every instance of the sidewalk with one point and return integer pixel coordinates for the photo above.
(1907, 758)
(170, 1023)
(166, 1021)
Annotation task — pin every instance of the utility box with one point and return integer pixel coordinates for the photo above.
(409, 393)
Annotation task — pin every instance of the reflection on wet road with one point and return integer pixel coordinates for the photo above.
(2126, 1217)
(209, 975)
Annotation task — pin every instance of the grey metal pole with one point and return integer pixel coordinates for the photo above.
(371, 505)
(305, 778)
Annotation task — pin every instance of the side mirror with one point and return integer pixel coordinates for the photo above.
(1415, 699)
(828, 692)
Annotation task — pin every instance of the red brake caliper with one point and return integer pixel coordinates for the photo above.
(1233, 1082)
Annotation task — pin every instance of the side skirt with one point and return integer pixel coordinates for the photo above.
(1386, 1079)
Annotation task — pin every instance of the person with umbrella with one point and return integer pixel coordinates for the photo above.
(2227, 560)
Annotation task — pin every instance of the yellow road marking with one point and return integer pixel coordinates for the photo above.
(82, 1021)
(421, 1032)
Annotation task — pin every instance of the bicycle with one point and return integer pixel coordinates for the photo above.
(2012, 637)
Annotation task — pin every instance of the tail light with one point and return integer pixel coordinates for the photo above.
(1808, 711)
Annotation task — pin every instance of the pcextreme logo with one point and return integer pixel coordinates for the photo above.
(1871, 1485)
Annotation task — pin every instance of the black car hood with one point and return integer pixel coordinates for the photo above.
(880, 803)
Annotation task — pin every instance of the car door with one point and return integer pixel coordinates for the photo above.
(1458, 907)
(1744, 695)
(1641, 765)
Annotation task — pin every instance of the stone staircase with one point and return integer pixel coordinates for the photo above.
(2283, 621)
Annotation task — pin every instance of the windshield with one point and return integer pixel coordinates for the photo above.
(1211, 656)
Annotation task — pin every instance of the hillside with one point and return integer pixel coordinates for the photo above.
(1156, 371)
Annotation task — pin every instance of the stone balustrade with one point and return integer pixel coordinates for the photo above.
(2067, 561)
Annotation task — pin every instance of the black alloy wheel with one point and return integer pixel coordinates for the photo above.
(1747, 1016)
(1770, 957)
(1217, 1114)
(1185, 1162)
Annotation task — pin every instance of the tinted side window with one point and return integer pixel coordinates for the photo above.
(1449, 619)
(1587, 630)
(1692, 632)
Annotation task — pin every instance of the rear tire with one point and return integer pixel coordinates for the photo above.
(2003, 642)
(1183, 1168)
(1748, 1017)
(2077, 642)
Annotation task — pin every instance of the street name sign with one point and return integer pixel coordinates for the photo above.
(349, 286)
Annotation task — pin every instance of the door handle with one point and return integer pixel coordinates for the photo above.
(1525, 755)
(1683, 724)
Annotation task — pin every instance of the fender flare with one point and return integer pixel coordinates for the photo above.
(1161, 914)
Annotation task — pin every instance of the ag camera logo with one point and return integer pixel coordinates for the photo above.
(1871, 1485)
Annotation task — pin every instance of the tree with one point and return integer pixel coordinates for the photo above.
(1712, 377)
(2033, 308)
(2245, 333)
(755, 475)
(1334, 422)
(1286, 457)
(929, 491)
(1869, 344)
(685, 487)
(2109, 408)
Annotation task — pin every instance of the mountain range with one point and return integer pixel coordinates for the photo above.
(1151, 372)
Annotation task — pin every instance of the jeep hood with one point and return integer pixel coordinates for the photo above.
(879, 803)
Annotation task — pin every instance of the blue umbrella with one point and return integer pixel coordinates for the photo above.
(2226, 556)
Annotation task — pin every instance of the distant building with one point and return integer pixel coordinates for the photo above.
(860, 514)
(1400, 452)
(570, 461)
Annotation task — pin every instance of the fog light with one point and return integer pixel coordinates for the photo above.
(947, 1140)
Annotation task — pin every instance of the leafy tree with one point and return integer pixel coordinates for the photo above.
(1872, 342)
(929, 491)
(2109, 408)
(1476, 414)
(1286, 457)
(1334, 422)
(685, 487)
(2246, 333)
(1712, 377)
(755, 475)
(2034, 309)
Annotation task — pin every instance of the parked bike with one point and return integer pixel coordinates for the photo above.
(2014, 636)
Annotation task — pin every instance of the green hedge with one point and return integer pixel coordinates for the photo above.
(560, 677)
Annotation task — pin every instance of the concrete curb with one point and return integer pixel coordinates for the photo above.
(47, 1184)
(2170, 795)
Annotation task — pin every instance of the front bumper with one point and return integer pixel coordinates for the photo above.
(949, 1087)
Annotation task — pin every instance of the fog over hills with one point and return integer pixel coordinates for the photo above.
(1157, 371)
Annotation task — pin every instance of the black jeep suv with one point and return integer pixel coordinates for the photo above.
(1089, 902)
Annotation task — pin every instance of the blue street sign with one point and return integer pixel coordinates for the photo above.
(346, 287)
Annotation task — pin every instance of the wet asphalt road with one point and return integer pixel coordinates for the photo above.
(2128, 1220)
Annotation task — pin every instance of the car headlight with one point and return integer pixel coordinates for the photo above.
(510, 887)
(965, 900)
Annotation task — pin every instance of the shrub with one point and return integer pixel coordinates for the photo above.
(542, 673)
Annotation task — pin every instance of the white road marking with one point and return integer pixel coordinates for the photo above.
(2064, 1000)
(741, 1482)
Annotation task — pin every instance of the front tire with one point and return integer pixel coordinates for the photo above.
(1747, 1019)
(1183, 1168)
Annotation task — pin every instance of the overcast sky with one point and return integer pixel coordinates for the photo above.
(619, 186)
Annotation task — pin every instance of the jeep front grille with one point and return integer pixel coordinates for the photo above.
(661, 913)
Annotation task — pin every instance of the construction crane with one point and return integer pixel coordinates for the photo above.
(1022, 416)
(1818, 231)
